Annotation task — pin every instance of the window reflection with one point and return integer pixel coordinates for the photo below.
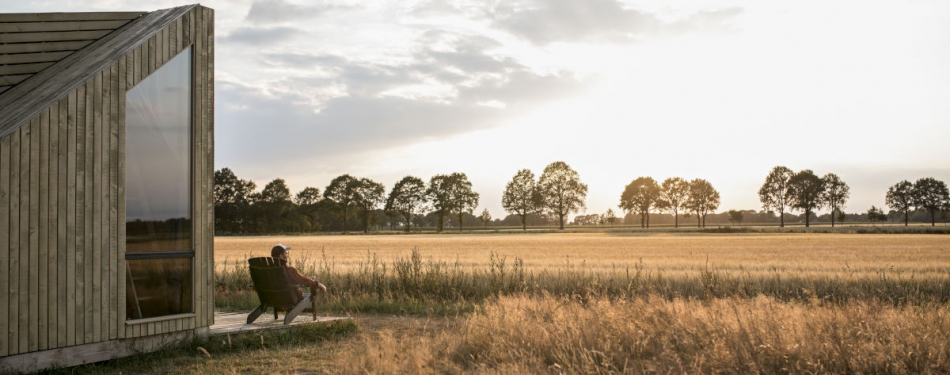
(158, 287)
(158, 159)
(158, 187)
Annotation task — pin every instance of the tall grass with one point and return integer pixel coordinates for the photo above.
(411, 284)
(654, 335)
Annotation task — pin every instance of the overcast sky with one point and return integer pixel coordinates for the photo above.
(722, 90)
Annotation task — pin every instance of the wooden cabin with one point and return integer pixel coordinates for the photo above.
(106, 173)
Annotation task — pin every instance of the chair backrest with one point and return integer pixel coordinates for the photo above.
(270, 282)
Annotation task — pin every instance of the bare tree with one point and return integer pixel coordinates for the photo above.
(562, 190)
(521, 196)
(835, 195)
(805, 192)
(703, 199)
(774, 193)
(640, 196)
(932, 195)
(407, 199)
(900, 197)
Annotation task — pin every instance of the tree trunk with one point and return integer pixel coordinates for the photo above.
(834, 211)
(676, 219)
(807, 215)
(906, 217)
(460, 221)
(698, 220)
(781, 216)
(524, 223)
(933, 218)
(560, 220)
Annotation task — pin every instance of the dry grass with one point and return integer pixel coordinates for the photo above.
(654, 335)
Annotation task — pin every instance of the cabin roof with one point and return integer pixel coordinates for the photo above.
(44, 56)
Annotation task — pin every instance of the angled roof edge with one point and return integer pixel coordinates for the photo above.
(23, 102)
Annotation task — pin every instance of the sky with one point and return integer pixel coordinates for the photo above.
(723, 90)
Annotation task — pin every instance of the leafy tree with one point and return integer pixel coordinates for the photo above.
(774, 193)
(231, 201)
(407, 199)
(341, 191)
(932, 195)
(900, 197)
(640, 196)
(521, 196)
(673, 195)
(875, 214)
(735, 217)
(835, 195)
(438, 193)
(561, 190)
(703, 199)
(276, 205)
(306, 201)
(805, 192)
(610, 217)
(485, 217)
(464, 200)
(368, 195)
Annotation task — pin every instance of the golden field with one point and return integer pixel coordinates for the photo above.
(819, 254)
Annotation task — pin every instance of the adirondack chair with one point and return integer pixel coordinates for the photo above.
(274, 290)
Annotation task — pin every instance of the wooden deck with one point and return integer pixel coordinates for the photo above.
(236, 322)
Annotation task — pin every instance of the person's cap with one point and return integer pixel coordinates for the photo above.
(278, 249)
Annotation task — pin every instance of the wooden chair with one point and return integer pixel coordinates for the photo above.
(275, 291)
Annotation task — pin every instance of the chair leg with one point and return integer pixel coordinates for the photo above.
(313, 306)
(256, 313)
(297, 309)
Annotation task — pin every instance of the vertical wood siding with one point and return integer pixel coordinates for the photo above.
(62, 204)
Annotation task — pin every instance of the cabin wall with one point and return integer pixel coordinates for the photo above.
(62, 205)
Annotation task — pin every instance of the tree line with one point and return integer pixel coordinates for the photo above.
(353, 203)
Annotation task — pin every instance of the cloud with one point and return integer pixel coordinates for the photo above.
(276, 11)
(449, 84)
(544, 22)
(262, 36)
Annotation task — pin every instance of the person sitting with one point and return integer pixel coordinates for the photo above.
(293, 276)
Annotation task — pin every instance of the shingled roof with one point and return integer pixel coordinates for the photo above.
(43, 56)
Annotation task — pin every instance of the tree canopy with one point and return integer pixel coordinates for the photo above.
(900, 197)
(774, 193)
(639, 196)
(562, 191)
(932, 195)
(703, 199)
(407, 199)
(805, 192)
(835, 195)
(521, 196)
(674, 193)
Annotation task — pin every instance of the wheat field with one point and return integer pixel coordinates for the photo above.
(821, 254)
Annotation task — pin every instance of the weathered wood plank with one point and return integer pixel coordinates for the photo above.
(26, 27)
(95, 307)
(27, 99)
(26, 58)
(152, 49)
(43, 47)
(118, 91)
(208, 232)
(54, 36)
(5, 171)
(13, 80)
(76, 115)
(13, 273)
(88, 204)
(77, 16)
(82, 119)
(120, 197)
(9, 70)
(198, 57)
(57, 276)
(33, 216)
(39, 277)
(103, 160)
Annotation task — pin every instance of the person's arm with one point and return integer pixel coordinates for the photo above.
(301, 279)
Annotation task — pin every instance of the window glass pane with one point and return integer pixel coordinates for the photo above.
(157, 287)
(158, 159)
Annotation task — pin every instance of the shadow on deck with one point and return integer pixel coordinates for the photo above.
(237, 322)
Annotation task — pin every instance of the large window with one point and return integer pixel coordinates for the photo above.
(158, 187)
